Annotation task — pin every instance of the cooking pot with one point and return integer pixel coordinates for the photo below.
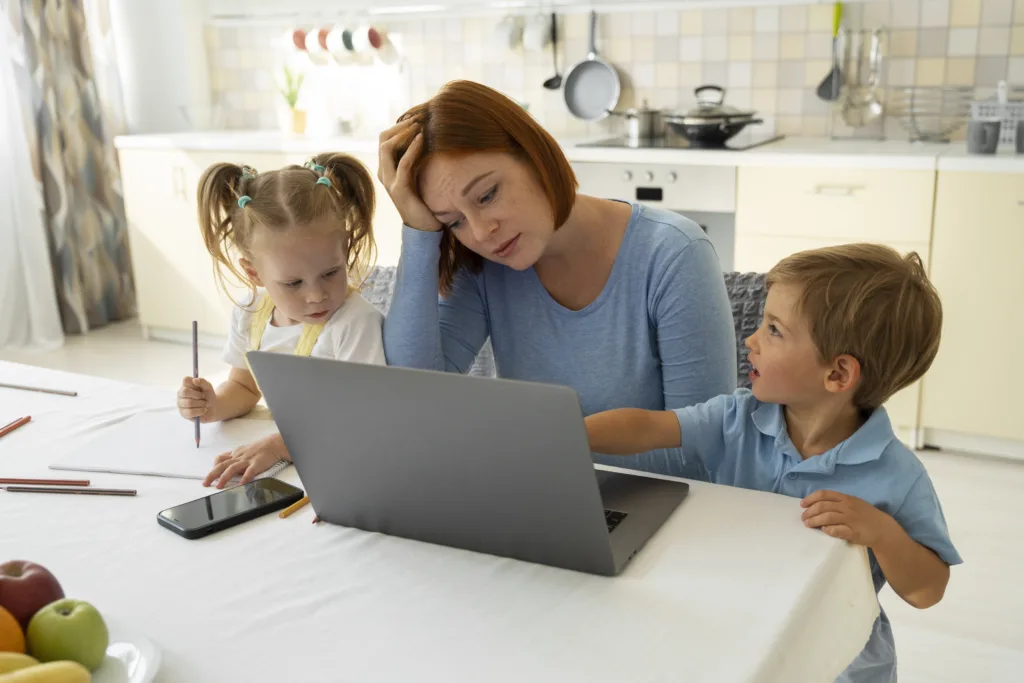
(710, 123)
(643, 123)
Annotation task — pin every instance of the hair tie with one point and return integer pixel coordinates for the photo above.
(248, 172)
(243, 200)
(313, 166)
(323, 180)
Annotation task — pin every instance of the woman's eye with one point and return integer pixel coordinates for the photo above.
(489, 196)
(453, 224)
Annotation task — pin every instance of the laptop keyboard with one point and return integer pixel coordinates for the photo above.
(613, 518)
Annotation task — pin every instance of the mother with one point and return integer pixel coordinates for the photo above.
(626, 304)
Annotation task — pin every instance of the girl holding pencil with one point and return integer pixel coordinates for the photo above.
(298, 237)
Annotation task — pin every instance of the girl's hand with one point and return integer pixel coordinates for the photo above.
(397, 180)
(248, 461)
(197, 398)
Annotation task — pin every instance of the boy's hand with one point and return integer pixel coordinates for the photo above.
(247, 461)
(846, 517)
(197, 398)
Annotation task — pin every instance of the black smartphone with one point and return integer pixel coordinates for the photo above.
(204, 516)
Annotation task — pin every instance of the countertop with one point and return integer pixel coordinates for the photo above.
(789, 152)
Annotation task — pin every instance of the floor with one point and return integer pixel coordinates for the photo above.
(975, 635)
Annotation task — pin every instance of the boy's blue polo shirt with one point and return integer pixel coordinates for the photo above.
(744, 443)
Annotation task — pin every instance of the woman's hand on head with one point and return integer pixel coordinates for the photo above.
(397, 178)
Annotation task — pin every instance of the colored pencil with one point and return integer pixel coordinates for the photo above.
(59, 392)
(195, 365)
(69, 489)
(11, 426)
(293, 507)
(46, 482)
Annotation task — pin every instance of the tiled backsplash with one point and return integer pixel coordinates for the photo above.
(769, 58)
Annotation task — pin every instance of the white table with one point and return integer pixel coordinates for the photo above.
(732, 588)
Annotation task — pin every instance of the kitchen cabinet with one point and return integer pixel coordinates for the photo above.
(173, 272)
(780, 211)
(977, 246)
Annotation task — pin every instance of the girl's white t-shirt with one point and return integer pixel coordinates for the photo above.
(353, 333)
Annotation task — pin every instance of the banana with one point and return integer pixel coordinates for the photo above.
(51, 672)
(12, 661)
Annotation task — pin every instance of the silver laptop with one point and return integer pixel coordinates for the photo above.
(496, 466)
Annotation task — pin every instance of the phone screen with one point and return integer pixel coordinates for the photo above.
(229, 503)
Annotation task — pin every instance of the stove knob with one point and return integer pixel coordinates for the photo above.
(649, 176)
(627, 176)
(673, 176)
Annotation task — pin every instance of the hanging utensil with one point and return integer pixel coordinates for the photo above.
(828, 90)
(592, 87)
(555, 82)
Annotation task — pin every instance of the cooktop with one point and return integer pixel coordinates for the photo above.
(737, 144)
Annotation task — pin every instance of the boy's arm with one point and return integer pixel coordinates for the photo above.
(916, 573)
(627, 431)
(237, 396)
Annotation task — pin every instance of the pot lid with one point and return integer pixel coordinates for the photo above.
(710, 109)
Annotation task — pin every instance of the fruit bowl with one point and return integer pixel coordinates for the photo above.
(131, 657)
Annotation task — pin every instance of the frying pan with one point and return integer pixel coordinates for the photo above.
(592, 87)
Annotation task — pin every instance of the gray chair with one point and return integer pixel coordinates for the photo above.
(747, 293)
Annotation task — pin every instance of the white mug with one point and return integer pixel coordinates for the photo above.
(336, 45)
(537, 32)
(315, 48)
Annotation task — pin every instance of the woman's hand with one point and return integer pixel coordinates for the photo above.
(398, 180)
(248, 461)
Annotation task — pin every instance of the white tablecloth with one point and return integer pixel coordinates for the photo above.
(732, 588)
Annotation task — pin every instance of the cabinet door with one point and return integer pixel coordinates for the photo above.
(838, 204)
(976, 266)
(160, 208)
(387, 224)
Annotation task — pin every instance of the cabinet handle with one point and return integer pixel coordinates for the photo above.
(836, 190)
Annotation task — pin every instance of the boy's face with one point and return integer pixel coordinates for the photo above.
(787, 367)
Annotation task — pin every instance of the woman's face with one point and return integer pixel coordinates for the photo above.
(492, 203)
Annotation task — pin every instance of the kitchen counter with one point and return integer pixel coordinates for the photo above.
(789, 152)
(958, 159)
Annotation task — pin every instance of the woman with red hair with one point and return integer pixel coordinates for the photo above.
(624, 303)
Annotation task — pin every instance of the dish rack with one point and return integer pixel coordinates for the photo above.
(1005, 106)
(931, 114)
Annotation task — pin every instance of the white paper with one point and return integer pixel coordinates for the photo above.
(162, 444)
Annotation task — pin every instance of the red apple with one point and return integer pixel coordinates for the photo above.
(25, 588)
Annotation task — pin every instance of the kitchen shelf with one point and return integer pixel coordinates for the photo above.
(270, 12)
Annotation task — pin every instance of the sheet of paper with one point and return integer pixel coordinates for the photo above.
(162, 444)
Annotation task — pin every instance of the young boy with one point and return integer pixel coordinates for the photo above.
(844, 328)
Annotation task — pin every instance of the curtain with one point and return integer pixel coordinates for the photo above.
(29, 316)
(77, 169)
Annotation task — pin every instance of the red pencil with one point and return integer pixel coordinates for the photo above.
(14, 425)
(45, 482)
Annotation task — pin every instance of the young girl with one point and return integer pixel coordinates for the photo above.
(299, 234)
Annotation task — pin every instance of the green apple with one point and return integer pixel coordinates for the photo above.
(68, 629)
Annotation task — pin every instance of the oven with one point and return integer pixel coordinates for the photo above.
(706, 194)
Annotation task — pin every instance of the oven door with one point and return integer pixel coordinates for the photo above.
(704, 194)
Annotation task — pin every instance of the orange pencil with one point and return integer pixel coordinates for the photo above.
(293, 507)
(7, 429)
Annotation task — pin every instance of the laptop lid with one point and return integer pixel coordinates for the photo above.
(496, 466)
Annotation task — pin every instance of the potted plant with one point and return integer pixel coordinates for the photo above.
(290, 88)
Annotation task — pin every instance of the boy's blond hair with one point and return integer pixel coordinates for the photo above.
(867, 301)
